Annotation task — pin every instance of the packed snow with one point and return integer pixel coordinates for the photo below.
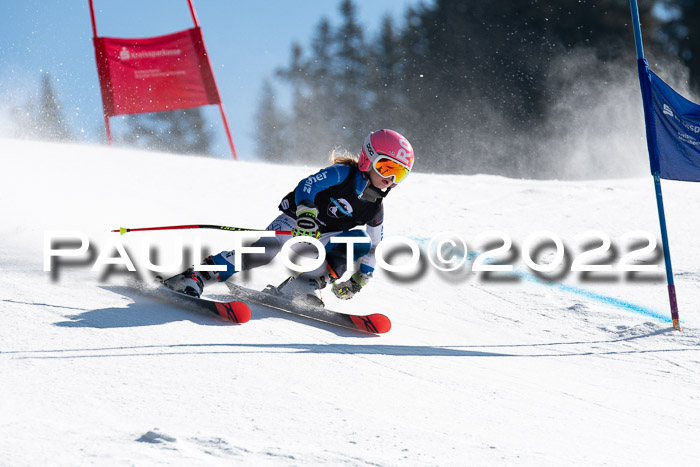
(500, 368)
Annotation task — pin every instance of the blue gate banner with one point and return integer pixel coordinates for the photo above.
(673, 134)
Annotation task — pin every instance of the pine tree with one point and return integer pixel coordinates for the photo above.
(350, 69)
(313, 128)
(178, 131)
(51, 123)
(41, 117)
(385, 79)
(680, 34)
(472, 82)
(271, 144)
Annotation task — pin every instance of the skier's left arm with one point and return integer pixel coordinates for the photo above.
(347, 289)
(369, 261)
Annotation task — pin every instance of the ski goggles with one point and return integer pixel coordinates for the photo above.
(387, 167)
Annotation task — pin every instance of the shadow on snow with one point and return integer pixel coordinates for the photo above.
(148, 311)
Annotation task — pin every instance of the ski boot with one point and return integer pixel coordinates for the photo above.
(192, 282)
(305, 288)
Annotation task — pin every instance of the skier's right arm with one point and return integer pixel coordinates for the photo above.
(308, 188)
(306, 224)
(305, 194)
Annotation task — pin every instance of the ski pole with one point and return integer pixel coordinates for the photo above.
(123, 230)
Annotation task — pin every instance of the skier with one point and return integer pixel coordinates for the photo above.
(328, 204)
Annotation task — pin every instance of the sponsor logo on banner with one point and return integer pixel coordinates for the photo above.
(686, 138)
(126, 54)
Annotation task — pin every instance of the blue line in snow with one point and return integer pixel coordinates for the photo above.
(611, 301)
(616, 302)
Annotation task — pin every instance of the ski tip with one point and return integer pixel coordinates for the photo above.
(382, 323)
(236, 312)
(376, 323)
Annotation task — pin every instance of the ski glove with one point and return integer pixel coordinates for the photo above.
(306, 224)
(347, 289)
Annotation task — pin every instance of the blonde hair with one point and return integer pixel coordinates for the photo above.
(343, 157)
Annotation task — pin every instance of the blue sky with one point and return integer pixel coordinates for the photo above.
(246, 41)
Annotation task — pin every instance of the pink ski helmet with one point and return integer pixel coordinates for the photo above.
(389, 153)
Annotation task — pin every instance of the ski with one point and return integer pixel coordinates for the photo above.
(375, 323)
(234, 311)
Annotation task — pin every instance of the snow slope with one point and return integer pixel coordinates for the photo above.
(506, 369)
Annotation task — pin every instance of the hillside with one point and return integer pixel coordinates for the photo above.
(505, 368)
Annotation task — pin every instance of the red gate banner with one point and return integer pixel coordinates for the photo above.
(154, 74)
